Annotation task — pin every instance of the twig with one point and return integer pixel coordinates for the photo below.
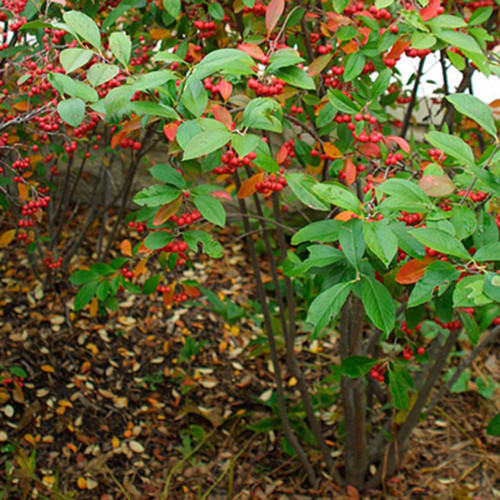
(411, 105)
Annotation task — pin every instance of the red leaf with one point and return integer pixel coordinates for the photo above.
(371, 150)
(223, 115)
(431, 10)
(402, 143)
(170, 131)
(350, 171)
(397, 49)
(273, 14)
(252, 50)
(282, 154)
(221, 194)
(225, 89)
(413, 270)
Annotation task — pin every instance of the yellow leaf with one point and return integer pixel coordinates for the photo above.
(22, 189)
(115, 442)
(292, 382)
(159, 34)
(94, 307)
(49, 480)
(47, 369)
(7, 237)
(29, 439)
(81, 483)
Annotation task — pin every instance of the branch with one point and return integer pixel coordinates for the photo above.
(411, 105)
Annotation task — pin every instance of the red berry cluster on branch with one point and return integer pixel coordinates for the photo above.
(275, 87)
(272, 183)
(232, 161)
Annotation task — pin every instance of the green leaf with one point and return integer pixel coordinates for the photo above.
(121, 46)
(211, 247)
(354, 64)
(153, 109)
(85, 295)
(399, 389)
(489, 252)
(283, 58)
(296, 77)
(459, 40)
(342, 103)
(216, 11)
(246, 144)
(327, 305)
(403, 193)
(338, 195)
(211, 209)
(475, 109)
(83, 276)
(493, 428)
(72, 59)
(438, 274)
(440, 241)
(452, 146)
(382, 4)
(100, 73)
(227, 61)
(352, 241)
(267, 163)
(206, 142)
(446, 21)
(302, 185)
(169, 175)
(479, 16)
(263, 113)
(72, 111)
(381, 83)
(153, 80)
(456, 59)
(118, 12)
(173, 7)
(381, 241)
(158, 239)
(195, 98)
(464, 221)
(492, 286)
(409, 244)
(151, 284)
(421, 40)
(356, 366)
(102, 290)
(471, 327)
(491, 181)
(156, 195)
(84, 26)
(324, 231)
(168, 57)
(66, 85)
(379, 304)
(469, 292)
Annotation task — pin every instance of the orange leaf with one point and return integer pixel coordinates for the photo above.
(225, 89)
(34, 159)
(126, 248)
(7, 237)
(252, 50)
(431, 10)
(222, 115)
(350, 171)
(331, 150)
(413, 270)
(192, 291)
(167, 211)
(170, 130)
(350, 47)
(23, 190)
(273, 14)
(140, 268)
(168, 297)
(159, 33)
(397, 49)
(344, 216)
(282, 154)
(47, 369)
(20, 106)
(94, 307)
(248, 187)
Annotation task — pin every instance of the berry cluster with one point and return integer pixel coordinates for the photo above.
(417, 52)
(476, 5)
(207, 29)
(275, 87)
(9, 380)
(32, 207)
(25, 222)
(187, 218)
(126, 142)
(127, 273)
(436, 154)
(140, 227)
(272, 183)
(51, 263)
(476, 197)
(163, 289)
(451, 325)
(410, 219)
(405, 329)
(223, 87)
(379, 13)
(393, 158)
(257, 10)
(232, 161)
(378, 372)
(296, 110)
(180, 297)
(85, 128)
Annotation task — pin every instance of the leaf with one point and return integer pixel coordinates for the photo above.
(492, 286)
(319, 64)
(228, 61)
(296, 77)
(413, 270)
(195, 98)
(379, 305)
(350, 171)
(83, 276)
(405, 194)
(469, 292)
(352, 241)
(153, 109)
(338, 195)
(356, 366)
(303, 186)
(156, 195)
(72, 111)
(331, 150)
(354, 64)
(493, 428)
(7, 237)
(263, 113)
(121, 46)
(475, 109)
(464, 221)
(273, 13)
(66, 85)
(440, 241)
(459, 40)
(85, 295)
(399, 389)
(283, 58)
(436, 185)
(126, 248)
(116, 13)
(488, 252)
(101, 73)
(205, 143)
(216, 11)
(166, 211)
(173, 7)
(248, 188)
(222, 115)
(169, 175)
(210, 246)
(323, 231)
(157, 240)
(431, 10)
(381, 241)
(452, 146)
(342, 103)
(72, 59)
(211, 209)
(381, 83)
(327, 305)
(84, 26)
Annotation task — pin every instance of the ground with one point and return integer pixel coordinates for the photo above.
(126, 406)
